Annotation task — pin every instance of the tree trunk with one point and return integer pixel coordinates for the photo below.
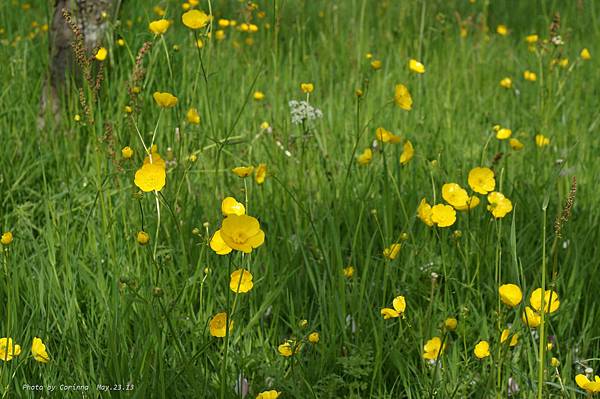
(91, 16)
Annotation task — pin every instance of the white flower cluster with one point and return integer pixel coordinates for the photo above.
(302, 111)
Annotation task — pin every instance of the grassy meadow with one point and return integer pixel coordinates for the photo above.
(390, 238)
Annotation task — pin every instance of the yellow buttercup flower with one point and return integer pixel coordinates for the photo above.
(217, 325)
(289, 348)
(424, 212)
(192, 116)
(515, 144)
(399, 305)
(585, 54)
(101, 54)
(348, 272)
(159, 26)
(503, 133)
(376, 64)
(150, 177)
(365, 157)
(416, 66)
(241, 281)
(156, 158)
(530, 318)
(408, 151)
(532, 39)
(499, 205)
(314, 337)
(229, 206)
(142, 237)
(218, 245)
(195, 19)
(551, 302)
(261, 173)
(259, 95)
(165, 100)
(471, 203)
(402, 97)
(530, 76)
(481, 180)
(126, 152)
(591, 386)
(455, 195)
(242, 233)
(433, 348)
(443, 215)
(510, 294)
(502, 30)
(158, 10)
(385, 136)
(392, 251)
(243, 171)
(450, 324)
(38, 351)
(8, 350)
(514, 340)
(482, 350)
(541, 140)
(272, 394)
(223, 23)
(307, 87)
(7, 238)
(554, 362)
(563, 62)
(506, 83)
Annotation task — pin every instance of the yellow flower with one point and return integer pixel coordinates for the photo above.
(454, 194)
(229, 206)
(348, 272)
(199, 43)
(223, 23)
(551, 302)
(195, 19)
(591, 387)
(217, 325)
(218, 245)
(433, 348)
(530, 318)
(585, 54)
(156, 159)
(563, 62)
(165, 100)
(243, 279)
(38, 350)
(506, 83)
(502, 30)
(471, 203)
(365, 158)
(541, 140)
(510, 294)
(272, 394)
(402, 97)
(481, 180)
(532, 39)
(515, 144)
(450, 324)
(220, 34)
(416, 66)
(408, 152)
(242, 232)
(530, 76)
(7, 238)
(399, 304)
(443, 215)
(261, 173)
(259, 95)
(314, 337)
(514, 340)
(424, 212)
(142, 237)
(120, 42)
(385, 136)
(243, 171)
(101, 54)
(8, 350)
(159, 26)
(150, 177)
(376, 64)
(289, 348)
(192, 116)
(392, 251)
(499, 205)
(554, 362)
(503, 133)
(307, 87)
(482, 350)
(126, 152)
(158, 10)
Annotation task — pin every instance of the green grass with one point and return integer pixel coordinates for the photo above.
(113, 312)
